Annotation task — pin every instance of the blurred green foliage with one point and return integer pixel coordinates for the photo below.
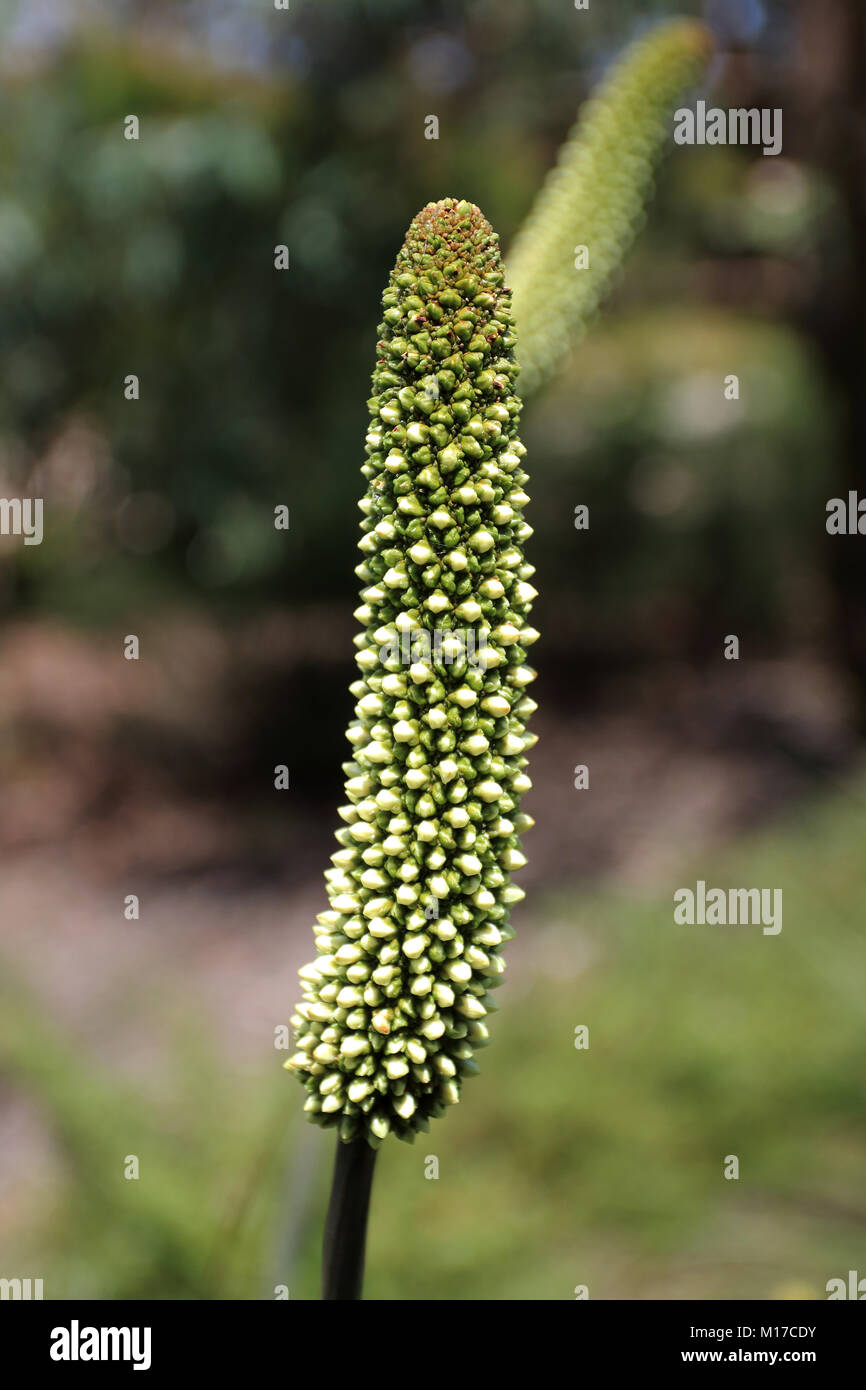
(601, 1167)
(704, 513)
(156, 258)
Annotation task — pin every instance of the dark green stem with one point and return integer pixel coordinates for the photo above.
(346, 1224)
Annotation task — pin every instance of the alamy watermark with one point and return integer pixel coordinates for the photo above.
(21, 1289)
(737, 126)
(445, 646)
(846, 516)
(744, 907)
(854, 1287)
(22, 516)
(77, 1343)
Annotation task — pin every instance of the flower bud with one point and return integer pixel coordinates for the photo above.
(397, 1000)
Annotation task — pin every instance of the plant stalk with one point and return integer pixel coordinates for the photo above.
(346, 1224)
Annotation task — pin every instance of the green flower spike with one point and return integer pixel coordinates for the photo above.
(396, 1001)
(595, 195)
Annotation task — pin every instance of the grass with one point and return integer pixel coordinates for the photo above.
(601, 1167)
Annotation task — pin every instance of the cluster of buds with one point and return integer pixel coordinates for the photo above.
(594, 197)
(397, 1000)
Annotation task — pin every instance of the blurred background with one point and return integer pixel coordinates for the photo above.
(155, 1036)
